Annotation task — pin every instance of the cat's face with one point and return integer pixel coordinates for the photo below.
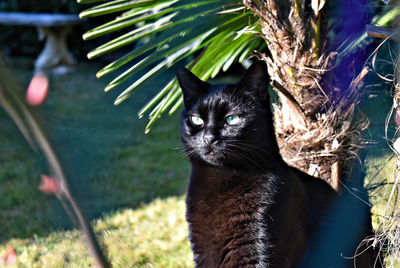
(227, 125)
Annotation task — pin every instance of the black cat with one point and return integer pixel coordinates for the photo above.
(245, 206)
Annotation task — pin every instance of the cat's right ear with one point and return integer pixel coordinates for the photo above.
(256, 77)
(192, 87)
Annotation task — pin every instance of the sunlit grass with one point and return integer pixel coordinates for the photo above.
(381, 175)
(380, 171)
(153, 235)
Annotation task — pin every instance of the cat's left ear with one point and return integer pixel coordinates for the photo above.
(192, 87)
(256, 77)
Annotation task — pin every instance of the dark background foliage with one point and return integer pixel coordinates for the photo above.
(53, 6)
(23, 40)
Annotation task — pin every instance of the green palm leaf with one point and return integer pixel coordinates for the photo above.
(177, 29)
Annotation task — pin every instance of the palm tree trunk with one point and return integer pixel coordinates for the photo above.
(314, 119)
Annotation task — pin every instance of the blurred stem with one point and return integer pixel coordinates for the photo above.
(28, 124)
(42, 141)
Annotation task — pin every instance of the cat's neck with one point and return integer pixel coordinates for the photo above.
(270, 162)
(211, 180)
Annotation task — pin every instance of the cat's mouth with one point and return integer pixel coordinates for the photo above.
(212, 157)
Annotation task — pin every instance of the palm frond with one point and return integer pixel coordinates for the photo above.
(355, 43)
(115, 6)
(177, 29)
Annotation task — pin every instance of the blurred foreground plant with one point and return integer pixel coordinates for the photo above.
(57, 184)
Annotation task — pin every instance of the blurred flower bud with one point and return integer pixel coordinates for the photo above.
(11, 256)
(49, 185)
(37, 89)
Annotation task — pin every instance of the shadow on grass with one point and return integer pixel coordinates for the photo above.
(109, 161)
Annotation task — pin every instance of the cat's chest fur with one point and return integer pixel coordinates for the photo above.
(234, 218)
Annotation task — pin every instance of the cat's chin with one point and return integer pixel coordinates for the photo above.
(212, 159)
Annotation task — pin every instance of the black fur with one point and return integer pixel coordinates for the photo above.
(245, 206)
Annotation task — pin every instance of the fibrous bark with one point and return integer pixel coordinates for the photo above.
(314, 119)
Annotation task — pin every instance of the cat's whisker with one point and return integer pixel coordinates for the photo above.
(239, 142)
(249, 150)
(238, 158)
(191, 152)
(256, 149)
(256, 165)
(250, 155)
(182, 153)
(187, 152)
(247, 161)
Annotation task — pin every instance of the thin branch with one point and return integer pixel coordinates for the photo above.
(30, 122)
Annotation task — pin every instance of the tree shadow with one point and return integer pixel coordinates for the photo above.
(109, 161)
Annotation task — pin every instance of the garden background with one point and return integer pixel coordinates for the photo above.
(130, 185)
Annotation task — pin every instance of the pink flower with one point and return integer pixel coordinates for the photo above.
(49, 185)
(11, 256)
(37, 89)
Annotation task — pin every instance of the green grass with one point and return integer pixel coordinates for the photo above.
(381, 174)
(115, 171)
(154, 235)
(380, 170)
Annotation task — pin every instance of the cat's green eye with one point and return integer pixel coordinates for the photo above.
(196, 120)
(232, 119)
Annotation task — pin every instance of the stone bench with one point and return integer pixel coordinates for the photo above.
(53, 28)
